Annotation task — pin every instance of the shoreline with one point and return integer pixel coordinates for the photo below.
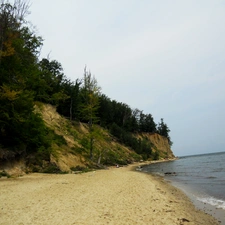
(215, 212)
(113, 196)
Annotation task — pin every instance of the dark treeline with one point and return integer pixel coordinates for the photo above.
(25, 79)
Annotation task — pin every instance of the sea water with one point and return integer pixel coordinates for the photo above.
(201, 177)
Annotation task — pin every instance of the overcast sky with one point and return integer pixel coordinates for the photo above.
(164, 57)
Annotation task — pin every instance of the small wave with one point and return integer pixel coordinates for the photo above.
(213, 201)
(158, 174)
(217, 170)
(211, 177)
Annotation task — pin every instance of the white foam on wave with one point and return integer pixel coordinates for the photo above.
(213, 201)
(158, 174)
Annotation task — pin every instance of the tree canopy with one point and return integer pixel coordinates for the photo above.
(26, 79)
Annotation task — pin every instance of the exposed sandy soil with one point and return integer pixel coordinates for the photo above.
(114, 196)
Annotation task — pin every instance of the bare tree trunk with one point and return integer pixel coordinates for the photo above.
(91, 138)
(71, 110)
(100, 156)
(91, 148)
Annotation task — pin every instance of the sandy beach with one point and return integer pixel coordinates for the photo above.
(113, 196)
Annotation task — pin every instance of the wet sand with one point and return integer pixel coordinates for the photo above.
(113, 196)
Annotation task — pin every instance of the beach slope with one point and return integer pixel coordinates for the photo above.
(113, 196)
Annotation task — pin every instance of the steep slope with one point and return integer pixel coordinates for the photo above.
(70, 151)
(76, 154)
(161, 145)
(107, 149)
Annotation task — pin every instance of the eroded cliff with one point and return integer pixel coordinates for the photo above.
(73, 154)
(161, 145)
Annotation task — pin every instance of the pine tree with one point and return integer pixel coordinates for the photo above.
(164, 130)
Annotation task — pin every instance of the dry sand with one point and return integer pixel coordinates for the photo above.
(114, 196)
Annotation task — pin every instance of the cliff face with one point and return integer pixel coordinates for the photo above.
(160, 144)
(73, 153)
(107, 150)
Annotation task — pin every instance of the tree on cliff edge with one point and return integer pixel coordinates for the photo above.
(164, 130)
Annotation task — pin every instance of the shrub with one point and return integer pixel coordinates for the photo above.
(4, 174)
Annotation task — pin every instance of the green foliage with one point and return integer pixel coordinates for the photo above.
(114, 158)
(136, 157)
(24, 79)
(48, 87)
(142, 147)
(90, 104)
(19, 48)
(80, 169)
(146, 123)
(85, 142)
(156, 155)
(90, 99)
(71, 130)
(77, 150)
(70, 106)
(145, 148)
(122, 115)
(163, 130)
(35, 134)
(51, 168)
(37, 154)
(3, 173)
(74, 133)
(20, 125)
(43, 153)
(55, 138)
